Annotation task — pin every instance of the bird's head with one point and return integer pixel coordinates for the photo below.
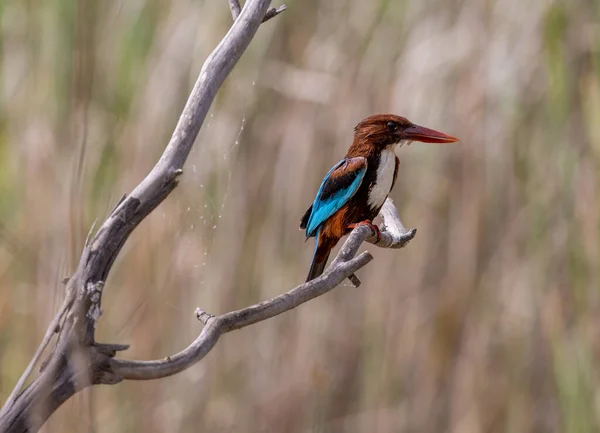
(382, 130)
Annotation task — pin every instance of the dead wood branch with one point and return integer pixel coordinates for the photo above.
(344, 265)
(77, 359)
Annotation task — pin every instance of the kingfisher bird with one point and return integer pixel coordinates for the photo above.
(354, 190)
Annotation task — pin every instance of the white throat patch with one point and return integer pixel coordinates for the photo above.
(384, 179)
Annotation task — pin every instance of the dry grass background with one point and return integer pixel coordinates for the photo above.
(487, 322)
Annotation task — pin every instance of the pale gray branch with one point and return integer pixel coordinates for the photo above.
(217, 325)
(343, 266)
(273, 12)
(60, 378)
(393, 233)
(234, 5)
(214, 71)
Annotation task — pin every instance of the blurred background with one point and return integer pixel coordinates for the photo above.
(489, 321)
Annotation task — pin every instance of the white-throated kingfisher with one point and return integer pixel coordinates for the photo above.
(355, 189)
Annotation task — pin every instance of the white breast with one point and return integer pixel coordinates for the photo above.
(385, 177)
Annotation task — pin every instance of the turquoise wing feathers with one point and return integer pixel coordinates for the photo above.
(339, 185)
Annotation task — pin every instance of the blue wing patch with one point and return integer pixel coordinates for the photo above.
(339, 185)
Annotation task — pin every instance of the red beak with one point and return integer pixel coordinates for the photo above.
(426, 135)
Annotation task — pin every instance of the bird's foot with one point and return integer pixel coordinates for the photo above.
(370, 225)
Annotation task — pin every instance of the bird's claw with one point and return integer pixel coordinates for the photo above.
(370, 225)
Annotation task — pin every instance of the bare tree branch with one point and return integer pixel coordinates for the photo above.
(273, 12)
(215, 326)
(344, 265)
(62, 376)
(393, 233)
(77, 360)
(234, 5)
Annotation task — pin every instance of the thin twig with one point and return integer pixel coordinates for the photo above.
(273, 12)
(234, 6)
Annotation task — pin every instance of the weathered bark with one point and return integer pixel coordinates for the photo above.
(77, 360)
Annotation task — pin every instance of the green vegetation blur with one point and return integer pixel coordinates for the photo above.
(488, 321)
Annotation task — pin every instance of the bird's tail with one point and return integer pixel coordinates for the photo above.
(317, 267)
(323, 247)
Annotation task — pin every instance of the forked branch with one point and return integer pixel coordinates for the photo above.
(77, 360)
(345, 264)
(64, 374)
(234, 5)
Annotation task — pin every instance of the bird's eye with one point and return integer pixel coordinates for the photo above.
(392, 126)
